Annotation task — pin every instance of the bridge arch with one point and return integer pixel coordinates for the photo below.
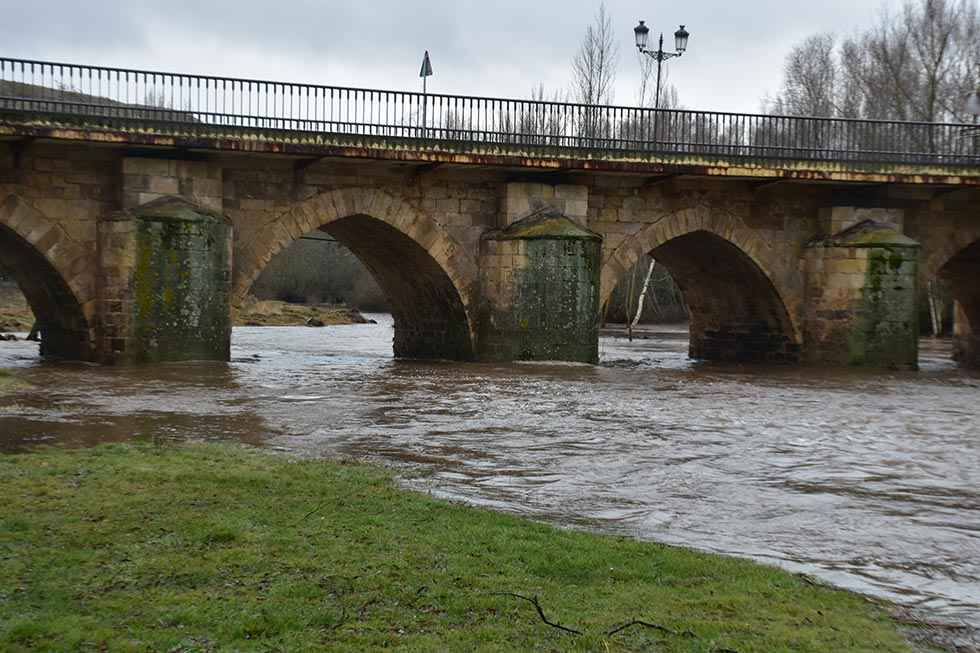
(961, 272)
(736, 310)
(429, 279)
(54, 274)
(951, 256)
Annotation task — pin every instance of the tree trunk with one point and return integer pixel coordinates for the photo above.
(935, 310)
(628, 304)
(643, 294)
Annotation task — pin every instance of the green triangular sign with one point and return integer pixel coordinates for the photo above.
(426, 66)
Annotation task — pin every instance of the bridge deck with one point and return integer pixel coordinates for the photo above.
(143, 108)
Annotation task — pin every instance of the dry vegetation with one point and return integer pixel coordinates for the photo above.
(15, 314)
(270, 312)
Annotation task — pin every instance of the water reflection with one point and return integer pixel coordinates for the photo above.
(867, 480)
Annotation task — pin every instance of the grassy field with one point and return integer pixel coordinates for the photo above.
(218, 547)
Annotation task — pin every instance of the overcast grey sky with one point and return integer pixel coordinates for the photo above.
(478, 47)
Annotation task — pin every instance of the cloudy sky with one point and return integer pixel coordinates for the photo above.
(479, 47)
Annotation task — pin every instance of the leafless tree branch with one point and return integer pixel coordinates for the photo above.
(918, 64)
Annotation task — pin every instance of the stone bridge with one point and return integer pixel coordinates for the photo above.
(496, 228)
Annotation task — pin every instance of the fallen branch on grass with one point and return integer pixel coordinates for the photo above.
(635, 622)
(310, 514)
(537, 606)
(645, 624)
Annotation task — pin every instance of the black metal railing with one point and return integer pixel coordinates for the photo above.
(201, 104)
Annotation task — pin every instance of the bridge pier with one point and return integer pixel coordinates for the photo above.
(540, 279)
(165, 275)
(861, 291)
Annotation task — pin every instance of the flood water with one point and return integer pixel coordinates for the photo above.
(870, 481)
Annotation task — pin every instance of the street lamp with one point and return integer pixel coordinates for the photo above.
(973, 103)
(680, 44)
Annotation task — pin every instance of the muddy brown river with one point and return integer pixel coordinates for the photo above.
(870, 481)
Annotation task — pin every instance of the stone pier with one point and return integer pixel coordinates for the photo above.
(861, 296)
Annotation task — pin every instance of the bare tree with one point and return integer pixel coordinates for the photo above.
(646, 91)
(317, 270)
(917, 64)
(809, 79)
(594, 69)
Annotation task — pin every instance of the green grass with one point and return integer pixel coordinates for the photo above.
(219, 547)
(7, 382)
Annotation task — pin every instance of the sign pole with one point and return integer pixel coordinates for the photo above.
(425, 73)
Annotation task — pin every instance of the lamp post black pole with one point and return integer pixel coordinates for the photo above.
(642, 33)
(680, 39)
(660, 65)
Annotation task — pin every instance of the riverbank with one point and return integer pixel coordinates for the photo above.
(256, 312)
(646, 331)
(208, 547)
(7, 382)
(15, 314)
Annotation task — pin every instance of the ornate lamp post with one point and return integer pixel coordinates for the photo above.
(973, 103)
(680, 44)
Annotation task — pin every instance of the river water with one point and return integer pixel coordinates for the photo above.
(870, 481)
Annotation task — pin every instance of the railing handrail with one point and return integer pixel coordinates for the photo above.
(444, 96)
(121, 98)
(215, 114)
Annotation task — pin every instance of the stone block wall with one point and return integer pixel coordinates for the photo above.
(862, 298)
(116, 269)
(165, 284)
(75, 204)
(540, 281)
(636, 215)
(63, 191)
(836, 219)
(259, 194)
(145, 180)
(522, 199)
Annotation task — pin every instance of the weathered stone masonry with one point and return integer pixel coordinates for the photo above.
(861, 290)
(111, 245)
(540, 283)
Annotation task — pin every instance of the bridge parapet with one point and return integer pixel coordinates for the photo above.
(160, 108)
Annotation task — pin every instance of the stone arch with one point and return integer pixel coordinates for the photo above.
(940, 248)
(55, 276)
(961, 272)
(736, 310)
(430, 280)
(949, 242)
